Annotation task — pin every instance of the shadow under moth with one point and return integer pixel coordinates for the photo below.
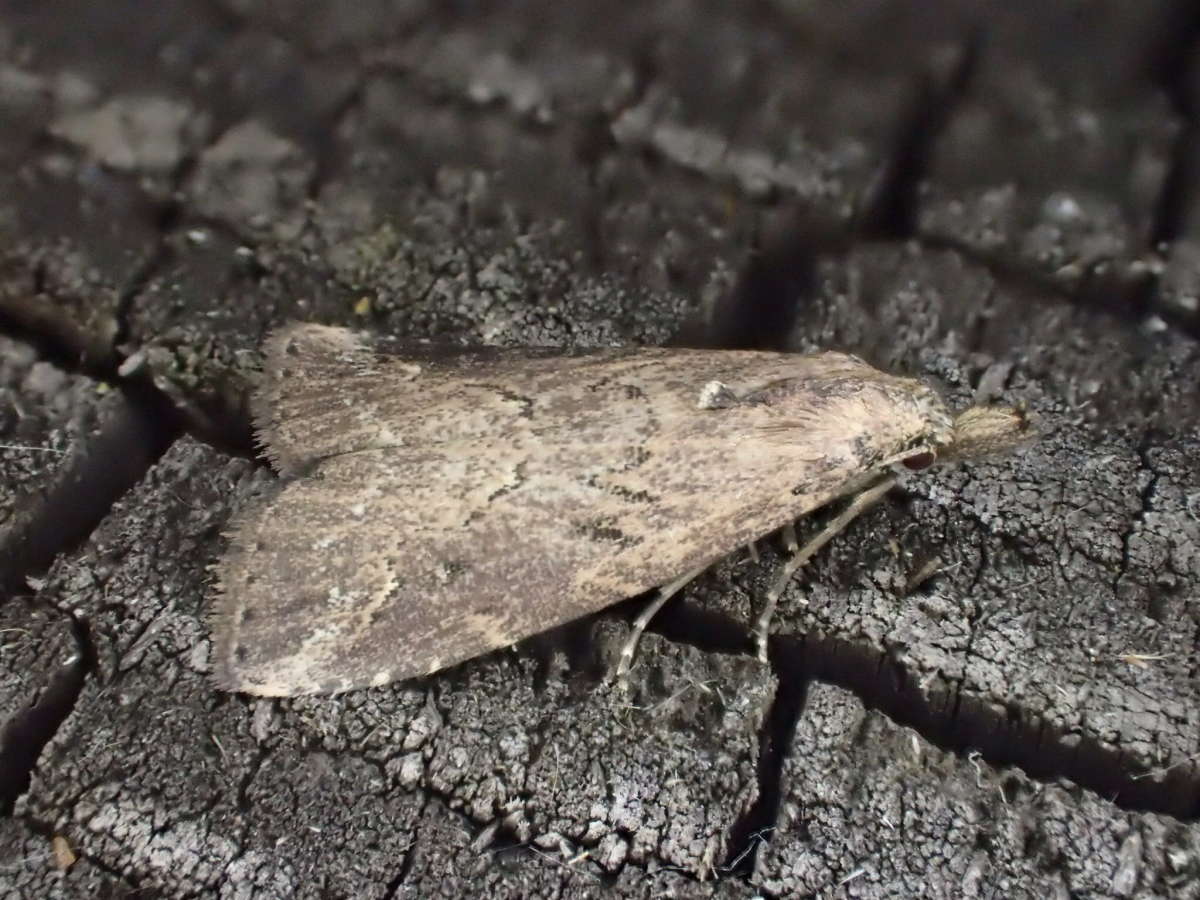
(435, 509)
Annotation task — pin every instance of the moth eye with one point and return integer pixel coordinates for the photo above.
(919, 461)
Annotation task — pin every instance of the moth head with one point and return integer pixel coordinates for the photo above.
(922, 429)
(871, 420)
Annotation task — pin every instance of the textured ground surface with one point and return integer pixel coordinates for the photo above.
(999, 197)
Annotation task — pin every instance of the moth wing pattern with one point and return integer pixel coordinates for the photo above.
(446, 508)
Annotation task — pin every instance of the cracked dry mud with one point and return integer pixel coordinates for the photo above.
(991, 690)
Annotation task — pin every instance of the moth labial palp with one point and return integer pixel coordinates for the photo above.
(456, 505)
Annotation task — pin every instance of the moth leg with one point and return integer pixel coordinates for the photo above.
(665, 593)
(862, 501)
(790, 542)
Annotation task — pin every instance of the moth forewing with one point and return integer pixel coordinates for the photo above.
(439, 509)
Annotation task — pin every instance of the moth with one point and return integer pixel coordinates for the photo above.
(433, 509)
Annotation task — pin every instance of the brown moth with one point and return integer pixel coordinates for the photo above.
(433, 510)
